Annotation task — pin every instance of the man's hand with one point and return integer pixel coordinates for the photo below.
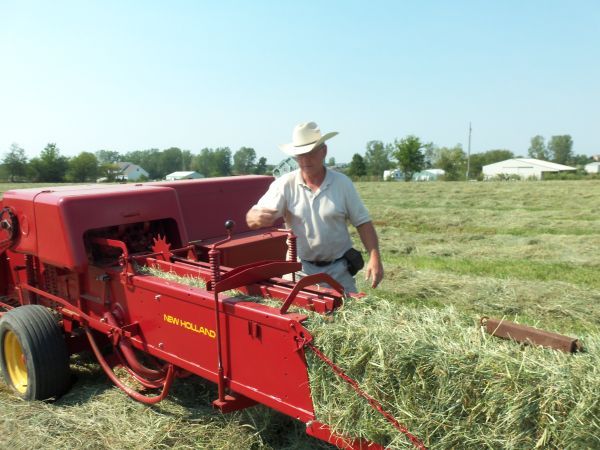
(368, 236)
(374, 269)
(260, 217)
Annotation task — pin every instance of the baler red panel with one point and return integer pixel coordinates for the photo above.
(207, 203)
(261, 359)
(61, 217)
(249, 247)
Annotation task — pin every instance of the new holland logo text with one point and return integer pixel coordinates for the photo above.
(189, 325)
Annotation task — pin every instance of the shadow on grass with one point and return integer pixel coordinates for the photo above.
(189, 402)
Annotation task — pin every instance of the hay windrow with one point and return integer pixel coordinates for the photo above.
(451, 384)
(448, 382)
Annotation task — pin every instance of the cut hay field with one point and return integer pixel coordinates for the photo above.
(453, 252)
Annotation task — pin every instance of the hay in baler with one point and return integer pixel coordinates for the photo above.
(447, 381)
(450, 383)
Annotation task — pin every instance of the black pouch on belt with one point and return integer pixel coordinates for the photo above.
(355, 261)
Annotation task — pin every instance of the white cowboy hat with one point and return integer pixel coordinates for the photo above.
(305, 137)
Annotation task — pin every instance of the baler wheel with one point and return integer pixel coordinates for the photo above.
(33, 353)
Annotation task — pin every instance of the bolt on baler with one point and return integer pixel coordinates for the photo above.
(78, 270)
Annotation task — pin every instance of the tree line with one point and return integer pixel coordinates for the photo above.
(51, 166)
(410, 155)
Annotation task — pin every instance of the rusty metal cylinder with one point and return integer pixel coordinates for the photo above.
(530, 335)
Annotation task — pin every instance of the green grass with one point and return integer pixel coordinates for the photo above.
(506, 269)
(526, 251)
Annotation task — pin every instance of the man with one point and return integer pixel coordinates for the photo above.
(316, 203)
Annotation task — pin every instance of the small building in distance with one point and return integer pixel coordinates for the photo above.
(593, 167)
(286, 166)
(524, 168)
(129, 172)
(190, 175)
(428, 175)
(393, 175)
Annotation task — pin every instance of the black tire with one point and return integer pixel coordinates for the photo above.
(33, 353)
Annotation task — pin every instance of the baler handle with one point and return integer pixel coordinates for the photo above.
(307, 281)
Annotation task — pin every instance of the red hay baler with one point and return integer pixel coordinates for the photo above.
(72, 278)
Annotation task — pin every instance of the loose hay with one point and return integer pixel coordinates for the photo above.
(448, 382)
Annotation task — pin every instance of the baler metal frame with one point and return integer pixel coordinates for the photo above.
(186, 330)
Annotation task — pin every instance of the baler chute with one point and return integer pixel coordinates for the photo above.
(73, 273)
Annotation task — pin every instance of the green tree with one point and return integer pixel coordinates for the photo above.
(202, 162)
(83, 167)
(15, 163)
(170, 160)
(331, 162)
(537, 148)
(580, 160)
(244, 161)
(222, 162)
(453, 161)
(50, 166)
(108, 156)
(560, 148)
(377, 158)
(186, 156)
(213, 163)
(357, 168)
(108, 171)
(409, 155)
(430, 154)
(261, 166)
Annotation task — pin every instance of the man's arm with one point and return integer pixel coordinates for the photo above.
(259, 217)
(368, 236)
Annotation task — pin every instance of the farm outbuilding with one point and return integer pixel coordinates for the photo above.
(129, 172)
(524, 168)
(285, 166)
(183, 176)
(593, 167)
(393, 175)
(428, 175)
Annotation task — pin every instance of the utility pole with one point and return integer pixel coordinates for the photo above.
(469, 153)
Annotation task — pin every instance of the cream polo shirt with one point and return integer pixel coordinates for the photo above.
(318, 219)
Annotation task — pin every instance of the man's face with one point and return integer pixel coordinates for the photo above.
(311, 163)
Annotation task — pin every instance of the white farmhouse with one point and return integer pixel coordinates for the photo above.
(286, 166)
(129, 172)
(183, 176)
(593, 167)
(523, 167)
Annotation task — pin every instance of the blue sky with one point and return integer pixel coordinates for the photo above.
(133, 75)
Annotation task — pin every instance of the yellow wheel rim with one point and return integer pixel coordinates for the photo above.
(15, 362)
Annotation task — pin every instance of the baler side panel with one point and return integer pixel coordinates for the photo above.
(262, 361)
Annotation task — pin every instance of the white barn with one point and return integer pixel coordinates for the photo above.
(593, 167)
(523, 167)
(183, 176)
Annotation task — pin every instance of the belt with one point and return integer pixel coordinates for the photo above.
(323, 263)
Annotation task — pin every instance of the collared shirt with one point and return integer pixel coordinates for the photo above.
(318, 219)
